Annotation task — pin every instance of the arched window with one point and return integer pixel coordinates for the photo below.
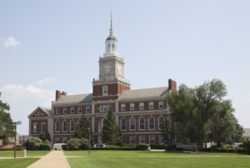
(161, 122)
(142, 123)
(123, 124)
(113, 47)
(72, 126)
(57, 126)
(109, 48)
(65, 126)
(151, 123)
(132, 124)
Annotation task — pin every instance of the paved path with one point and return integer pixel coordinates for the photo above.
(52, 160)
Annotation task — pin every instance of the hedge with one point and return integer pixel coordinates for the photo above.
(64, 147)
(9, 149)
(155, 146)
(170, 147)
(142, 146)
(107, 148)
(184, 149)
(45, 146)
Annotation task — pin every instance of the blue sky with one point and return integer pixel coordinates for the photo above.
(50, 45)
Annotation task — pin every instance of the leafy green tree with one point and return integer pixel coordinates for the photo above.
(32, 143)
(246, 144)
(81, 129)
(167, 133)
(6, 128)
(191, 109)
(44, 136)
(111, 130)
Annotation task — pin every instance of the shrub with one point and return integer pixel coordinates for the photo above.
(240, 150)
(112, 148)
(9, 149)
(45, 146)
(246, 145)
(74, 144)
(32, 143)
(155, 146)
(64, 147)
(44, 136)
(46, 141)
(142, 146)
(170, 147)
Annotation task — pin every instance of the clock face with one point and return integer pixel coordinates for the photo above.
(119, 69)
(107, 68)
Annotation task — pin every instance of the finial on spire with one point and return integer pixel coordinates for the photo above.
(111, 21)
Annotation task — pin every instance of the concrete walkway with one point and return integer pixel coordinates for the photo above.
(52, 160)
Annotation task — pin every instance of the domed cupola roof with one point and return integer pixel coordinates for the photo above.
(111, 37)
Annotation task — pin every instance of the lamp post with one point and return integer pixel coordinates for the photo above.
(19, 123)
(89, 139)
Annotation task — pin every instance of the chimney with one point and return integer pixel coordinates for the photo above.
(172, 85)
(59, 94)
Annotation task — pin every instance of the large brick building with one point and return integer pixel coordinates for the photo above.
(139, 112)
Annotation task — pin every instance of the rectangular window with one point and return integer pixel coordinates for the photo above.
(151, 139)
(87, 109)
(142, 139)
(160, 140)
(108, 107)
(141, 106)
(79, 109)
(100, 108)
(105, 90)
(161, 104)
(43, 127)
(151, 105)
(57, 140)
(35, 128)
(123, 107)
(57, 111)
(132, 139)
(64, 110)
(124, 139)
(104, 108)
(72, 109)
(132, 106)
(64, 139)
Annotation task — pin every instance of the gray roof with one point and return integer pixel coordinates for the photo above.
(75, 99)
(48, 110)
(144, 93)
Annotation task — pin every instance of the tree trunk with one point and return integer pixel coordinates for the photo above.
(205, 145)
(196, 148)
(218, 143)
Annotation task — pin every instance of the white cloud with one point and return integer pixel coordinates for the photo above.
(47, 80)
(19, 92)
(11, 42)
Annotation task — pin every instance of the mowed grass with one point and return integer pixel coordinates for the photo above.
(20, 153)
(107, 159)
(14, 163)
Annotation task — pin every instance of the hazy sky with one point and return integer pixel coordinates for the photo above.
(49, 45)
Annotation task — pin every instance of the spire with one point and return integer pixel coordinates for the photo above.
(111, 28)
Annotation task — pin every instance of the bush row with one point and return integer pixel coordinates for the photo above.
(9, 149)
(155, 146)
(221, 149)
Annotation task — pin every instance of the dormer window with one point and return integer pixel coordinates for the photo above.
(132, 106)
(72, 109)
(79, 109)
(87, 109)
(160, 104)
(123, 107)
(64, 110)
(57, 111)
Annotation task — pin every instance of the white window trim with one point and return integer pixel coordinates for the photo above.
(74, 126)
(130, 139)
(162, 104)
(125, 107)
(36, 127)
(130, 124)
(159, 122)
(140, 138)
(79, 109)
(66, 110)
(87, 109)
(140, 106)
(125, 139)
(149, 105)
(71, 110)
(149, 124)
(149, 139)
(139, 123)
(103, 108)
(55, 126)
(130, 106)
(104, 94)
(58, 139)
(66, 139)
(62, 126)
(42, 127)
(125, 124)
(58, 110)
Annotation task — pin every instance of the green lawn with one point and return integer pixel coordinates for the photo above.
(14, 163)
(20, 153)
(106, 159)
